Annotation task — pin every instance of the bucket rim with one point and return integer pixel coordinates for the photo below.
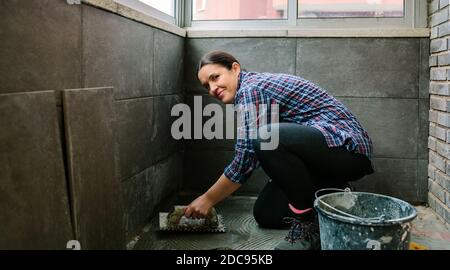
(342, 218)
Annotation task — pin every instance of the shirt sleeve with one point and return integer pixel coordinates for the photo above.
(245, 160)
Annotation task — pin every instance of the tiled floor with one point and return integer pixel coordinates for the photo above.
(244, 234)
(429, 232)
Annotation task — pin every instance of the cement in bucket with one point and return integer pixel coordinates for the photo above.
(363, 221)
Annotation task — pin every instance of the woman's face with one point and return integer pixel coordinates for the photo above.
(220, 82)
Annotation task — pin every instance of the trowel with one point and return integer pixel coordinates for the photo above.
(176, 221)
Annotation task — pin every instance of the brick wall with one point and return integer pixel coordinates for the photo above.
(439, 116)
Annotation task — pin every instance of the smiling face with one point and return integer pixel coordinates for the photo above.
(220, 82)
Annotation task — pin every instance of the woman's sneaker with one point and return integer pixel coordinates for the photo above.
(303, 235)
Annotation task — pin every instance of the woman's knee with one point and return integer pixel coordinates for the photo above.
(265, 220)
(271, 207)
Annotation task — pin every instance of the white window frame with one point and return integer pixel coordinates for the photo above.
(203, 7)
(235, 24)
(153, 12)
(415, 17)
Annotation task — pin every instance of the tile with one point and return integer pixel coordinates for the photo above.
(89, 120)
(118, 53)
(254, 54)
(144, 133)
(361, 67)
(40, 46)
(34, 206)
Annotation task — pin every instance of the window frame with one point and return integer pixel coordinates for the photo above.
(415, 17)
(153, 12)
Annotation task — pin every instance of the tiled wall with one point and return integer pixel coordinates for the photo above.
(50, 45)
(145, 66)
(384, 82)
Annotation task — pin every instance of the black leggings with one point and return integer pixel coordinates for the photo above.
(302, 164)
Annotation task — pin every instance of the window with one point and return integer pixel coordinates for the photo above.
(166, 6)
(162, 9)
(239, 10)
(235, 14)
(299, 14)
(350, 8)
(199, 5)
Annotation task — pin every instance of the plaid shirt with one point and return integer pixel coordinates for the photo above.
(301, 102)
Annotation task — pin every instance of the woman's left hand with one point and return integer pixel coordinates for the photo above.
(199, 208)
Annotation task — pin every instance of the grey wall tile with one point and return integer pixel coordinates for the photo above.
(255, 184)
(144, 132)
(392, 177)
(214, 143)
(96, 196)
(34, 208)
(144, 191)
(422, 180)
(40, 46)
(168, 63)
(424, 68)
(391, 119)
(424, 124)
(392, 124)
(361, 67)
(254, 54)
(117, 52)
(202, 168)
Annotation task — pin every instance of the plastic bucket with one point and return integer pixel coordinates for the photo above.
(363, 221)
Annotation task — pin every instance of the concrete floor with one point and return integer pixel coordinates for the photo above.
(429, 232)
(244, 234)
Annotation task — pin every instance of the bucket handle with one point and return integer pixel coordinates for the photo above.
(347, 190)
(331, 189)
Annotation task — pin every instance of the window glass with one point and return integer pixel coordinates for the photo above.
(166, 6)
(204, 10)
(350, 8)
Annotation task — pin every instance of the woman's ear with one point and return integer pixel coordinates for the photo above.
(236, 67)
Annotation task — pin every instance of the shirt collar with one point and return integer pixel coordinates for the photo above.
(240, 79)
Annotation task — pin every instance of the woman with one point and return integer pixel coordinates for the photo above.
(321, 144)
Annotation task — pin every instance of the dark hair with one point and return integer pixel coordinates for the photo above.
(217, 57)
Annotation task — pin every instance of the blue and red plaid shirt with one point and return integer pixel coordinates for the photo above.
(301, 102)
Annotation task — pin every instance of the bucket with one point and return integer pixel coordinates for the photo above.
(363, 221)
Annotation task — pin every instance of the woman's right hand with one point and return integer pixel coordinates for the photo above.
(202, 206)
(199, 208)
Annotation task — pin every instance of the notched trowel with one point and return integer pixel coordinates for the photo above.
(176, 221)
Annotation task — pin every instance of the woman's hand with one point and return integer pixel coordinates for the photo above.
(199, 208)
